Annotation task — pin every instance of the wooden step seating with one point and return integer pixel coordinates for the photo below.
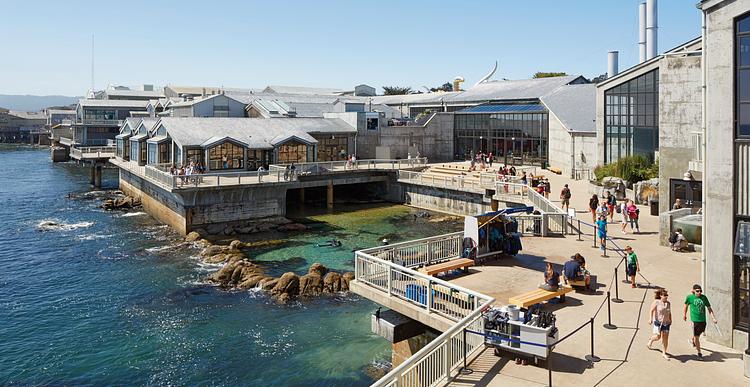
(539, 295)
(444, 267)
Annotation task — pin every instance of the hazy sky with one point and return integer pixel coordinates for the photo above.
(46, 45)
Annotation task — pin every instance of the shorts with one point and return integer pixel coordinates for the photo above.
(566, 202)
(698, 328)
(659, 327)
(602, 235)
(631, 270)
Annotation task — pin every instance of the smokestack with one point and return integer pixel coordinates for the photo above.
(642, 32)
(652, 48)
(612, 64)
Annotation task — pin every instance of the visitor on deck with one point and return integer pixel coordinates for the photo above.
(547, 188)
(633, 213)
(512, 170)
(631, 265)
(551, 279)
(524, 179)
(660, 317)
(623, 210)
(573, 270)
(593, 205)
(611, 203)
(601, 227)
(677, 204)
(602, 210)
(677, 241)
(565, 197)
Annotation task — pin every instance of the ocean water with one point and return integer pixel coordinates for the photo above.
(89, 297)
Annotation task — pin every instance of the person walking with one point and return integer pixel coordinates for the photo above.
(697, 302)
(565, 197)
(660, 317)
(633, 213)
(623, 210)
(611, 203)
(547, 188)
(593, 205)
(601, 227)
(602, 210)
(631, 265)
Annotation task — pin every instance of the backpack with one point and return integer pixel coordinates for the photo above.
(566, 193)
(673, 237)
(617, 209)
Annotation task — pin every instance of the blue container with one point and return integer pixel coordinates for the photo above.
(417, 293)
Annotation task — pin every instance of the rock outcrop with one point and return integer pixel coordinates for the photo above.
(121, 203)
(254, 226)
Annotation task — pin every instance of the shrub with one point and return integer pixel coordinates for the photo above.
(632, 169)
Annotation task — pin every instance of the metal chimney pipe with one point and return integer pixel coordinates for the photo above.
(612, 64)
(652, 48)
(642, 32)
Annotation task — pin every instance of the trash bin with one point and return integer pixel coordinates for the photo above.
(654, 204)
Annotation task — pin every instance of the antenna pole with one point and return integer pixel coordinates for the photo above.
(92, 63)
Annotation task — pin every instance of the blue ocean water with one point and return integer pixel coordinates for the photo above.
(101, 298)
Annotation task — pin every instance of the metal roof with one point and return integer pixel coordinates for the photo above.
(301, 90)
(505, 108)
(574, 106)
(115, 103)
(134, 93)
(61, 112)
(258, 133)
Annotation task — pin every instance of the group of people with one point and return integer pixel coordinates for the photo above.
(187, 174)
(482, 160)
(351, 161)
(290, 171)
(573, 270)
(607, 207)
(660, 317)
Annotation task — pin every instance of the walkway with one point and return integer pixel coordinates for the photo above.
(626, 360)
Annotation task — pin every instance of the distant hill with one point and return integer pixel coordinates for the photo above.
(32, 103)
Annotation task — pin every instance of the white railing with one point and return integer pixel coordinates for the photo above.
(434, 363)
(93, 151)
(420, 252)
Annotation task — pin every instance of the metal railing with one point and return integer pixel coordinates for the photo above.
(420, 252)
(275, 173)
(93, 152)
(91, 121)
(437, 360)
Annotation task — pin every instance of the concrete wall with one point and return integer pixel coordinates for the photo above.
(443, 200)
(434, 140)
(679, 116)
(159, 203)
(718, 162)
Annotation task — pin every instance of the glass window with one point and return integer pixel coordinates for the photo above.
(194, 155)
(226, 156)
(631, 110)
(743, 49)
(152, 152)
(333, 148)
(292, 152)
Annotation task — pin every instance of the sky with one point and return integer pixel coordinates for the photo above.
(46, 45)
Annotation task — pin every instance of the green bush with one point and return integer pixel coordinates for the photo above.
(632, 168)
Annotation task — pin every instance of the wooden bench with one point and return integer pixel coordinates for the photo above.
(538, 295)
(460, 263)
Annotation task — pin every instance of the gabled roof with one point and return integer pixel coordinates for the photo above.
(28, 115)
(574, 106)
(148, 123)
(299, 136)
(130, 125)
(258, 133)
(198, 100)
(222, 139)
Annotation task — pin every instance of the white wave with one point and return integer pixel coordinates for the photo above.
(55, 225)
(91, 237)
(158, 249)
(129, 214)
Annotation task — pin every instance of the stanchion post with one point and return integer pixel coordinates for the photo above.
(579, 230)
(617, 299)
(609, 324)
(594, 237)
(465, 370)
(549, 372)
(592, 358)
(604, 245)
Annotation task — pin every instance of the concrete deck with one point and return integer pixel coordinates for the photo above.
(625, 358)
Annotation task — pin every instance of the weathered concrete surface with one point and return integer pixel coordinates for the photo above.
(157, 202)
(679, 116)
(445, 200)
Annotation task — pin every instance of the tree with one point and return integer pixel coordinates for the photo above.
(447, 86)
(541, 74)
(396, 90)
(599, 78)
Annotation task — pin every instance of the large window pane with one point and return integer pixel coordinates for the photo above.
(744, 51)
(744, 120)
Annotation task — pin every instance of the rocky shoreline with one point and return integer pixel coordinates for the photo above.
(239, 272)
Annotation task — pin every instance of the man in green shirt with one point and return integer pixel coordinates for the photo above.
(698, 302)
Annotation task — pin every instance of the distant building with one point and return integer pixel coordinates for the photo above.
(217, 105)
(58, 116)
(16, 126)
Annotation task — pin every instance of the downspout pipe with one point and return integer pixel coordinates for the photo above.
(703, 141)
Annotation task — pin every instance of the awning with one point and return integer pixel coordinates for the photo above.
(123, 136)
(157, 139)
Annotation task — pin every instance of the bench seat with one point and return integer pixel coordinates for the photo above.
(538, 295)
(460, 263)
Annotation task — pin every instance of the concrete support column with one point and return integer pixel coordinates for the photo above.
(403, 350)
(329, 195)
(98, 176)
(302, 195)
(92, 175)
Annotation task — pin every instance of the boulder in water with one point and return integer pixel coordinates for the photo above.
(345, 279)
(288, 283)
(318, 269)
(332, 282)
(310, 285)
(193, 236)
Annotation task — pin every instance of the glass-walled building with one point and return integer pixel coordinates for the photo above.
(514, 134)
(631, 118)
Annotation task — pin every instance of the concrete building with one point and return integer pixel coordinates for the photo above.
(726, 243)
(545, 121)
(217, 105)
(58, 116)
(232, 143)
(16, 126)
(99, 120)
(653, 109)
